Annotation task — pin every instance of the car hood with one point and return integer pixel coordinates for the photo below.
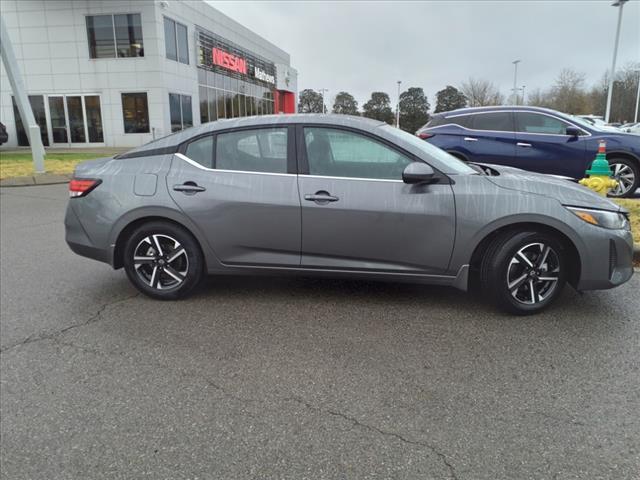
(564, 190)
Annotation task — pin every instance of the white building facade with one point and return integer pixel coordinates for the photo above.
(121, 73)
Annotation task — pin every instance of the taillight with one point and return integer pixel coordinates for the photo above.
(79, 187)
(425, 135)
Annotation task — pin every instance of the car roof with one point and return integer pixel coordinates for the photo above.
(497, 108)
(259, 121)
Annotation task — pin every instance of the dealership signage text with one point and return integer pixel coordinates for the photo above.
(231, 62)
(264, 76)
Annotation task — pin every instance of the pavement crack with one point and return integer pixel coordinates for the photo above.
(52, 336)
(366, 426)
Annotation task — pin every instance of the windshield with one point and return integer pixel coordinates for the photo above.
(453, 164)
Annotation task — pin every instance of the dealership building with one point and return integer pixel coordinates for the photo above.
(120, 73)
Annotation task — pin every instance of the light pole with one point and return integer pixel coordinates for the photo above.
(515, 81)
(523, 87)
(635, 116)
(322, 91)
(398, 106)
(620, 4)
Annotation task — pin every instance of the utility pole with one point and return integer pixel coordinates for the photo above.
(523, 87)
(22, 101)
(398, 106)
(515, 81)
(612, 73)
(322, 92)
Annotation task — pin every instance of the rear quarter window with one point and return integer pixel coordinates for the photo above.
(460, 120)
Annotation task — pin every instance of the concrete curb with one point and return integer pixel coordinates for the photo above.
(44, 179)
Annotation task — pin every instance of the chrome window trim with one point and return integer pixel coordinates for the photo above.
(586, 134)
(351, 178)
(207, 169)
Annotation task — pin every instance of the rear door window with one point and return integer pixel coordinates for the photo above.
(201, 151)
(257, 150)
(493, 121)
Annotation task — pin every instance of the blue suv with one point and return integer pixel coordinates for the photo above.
(535, 139)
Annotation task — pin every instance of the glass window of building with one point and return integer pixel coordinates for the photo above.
(76, 119)
(112, 36)
(94, 118)
(232, 92)
(135, 112)
(37, 105)
(176, 41)
(204, 105)
(180, 112)
(128, 31)
(259, 150)
(58, 120)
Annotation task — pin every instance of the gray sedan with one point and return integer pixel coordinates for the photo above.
(340, 196)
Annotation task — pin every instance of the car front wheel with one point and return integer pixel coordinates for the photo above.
(627, 173)
(163, 261)
(523, 272)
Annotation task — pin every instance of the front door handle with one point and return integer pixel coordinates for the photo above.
(470, 139)
(520, 144)
(321, 197)
(189, 188)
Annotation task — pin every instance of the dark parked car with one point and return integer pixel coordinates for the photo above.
(4, 136)
(535, 139)
(340, 196)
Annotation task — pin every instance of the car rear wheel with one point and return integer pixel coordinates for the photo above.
(523, 272)
(163, 260)
(627, 173)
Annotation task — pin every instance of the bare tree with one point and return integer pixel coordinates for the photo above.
(568, 93)
(480, 93)
(539, 98)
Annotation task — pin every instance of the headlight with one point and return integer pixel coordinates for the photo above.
(602, 218)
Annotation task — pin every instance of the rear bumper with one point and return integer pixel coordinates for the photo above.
(79, 241)
(608, 260)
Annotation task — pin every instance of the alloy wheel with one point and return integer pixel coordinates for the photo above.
(161, 262)
(533, 273)
(625, 177)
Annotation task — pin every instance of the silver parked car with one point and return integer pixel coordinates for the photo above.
(340, 196)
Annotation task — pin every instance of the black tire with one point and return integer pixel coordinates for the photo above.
(627, 167)
(169, 266)
(502, 265)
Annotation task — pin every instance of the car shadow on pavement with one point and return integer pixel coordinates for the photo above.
(390, 294)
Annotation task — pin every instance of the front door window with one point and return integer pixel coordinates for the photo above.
(341, 153)
(537, 123)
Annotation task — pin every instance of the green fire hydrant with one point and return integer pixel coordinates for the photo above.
(600, 173)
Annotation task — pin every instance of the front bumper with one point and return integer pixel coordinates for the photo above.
(607, 261)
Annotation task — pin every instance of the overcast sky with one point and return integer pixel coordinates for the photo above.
(367, 46)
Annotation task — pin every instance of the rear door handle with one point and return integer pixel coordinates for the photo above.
(189, 188)
(520, 144)
(321, 197)
(470, 139)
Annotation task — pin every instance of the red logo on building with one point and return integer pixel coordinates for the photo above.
(226, 60)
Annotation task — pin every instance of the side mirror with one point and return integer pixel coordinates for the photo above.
(418, 172)
(573, 131)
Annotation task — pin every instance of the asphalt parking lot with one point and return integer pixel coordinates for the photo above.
(298, 378)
